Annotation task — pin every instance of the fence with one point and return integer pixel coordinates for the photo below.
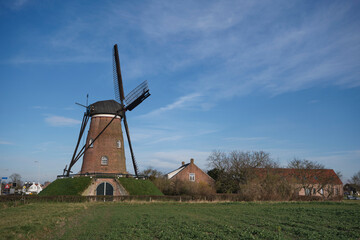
(14, 200)
(103, 175)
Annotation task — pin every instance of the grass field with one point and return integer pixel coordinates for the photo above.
(76, 186)
(238, 220)
(66, 186)
(140, 187)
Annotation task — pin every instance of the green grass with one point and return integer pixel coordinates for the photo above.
(67, 186)
(140, 187)
(237, 220)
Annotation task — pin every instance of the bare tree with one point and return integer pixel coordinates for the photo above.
(297, 163)
(234, 169)
(152, 173)
(355, 179)
(16, 178)
(312, 177)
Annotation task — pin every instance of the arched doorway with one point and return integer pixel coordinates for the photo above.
(104, 188)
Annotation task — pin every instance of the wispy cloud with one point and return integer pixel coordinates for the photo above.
(153, 135)
(180, 103)
(169, 160)
(43, 147)
(314, 51)
(61, 121)
(313, 101)
(167, 139)
(342, 160)
(15, 4)
(39, 107)
(19, 3)
(246, 138)
(26, 59)
(5, 143)
(237, 52)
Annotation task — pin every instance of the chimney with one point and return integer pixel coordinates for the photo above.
(192, 160)
(182, 163)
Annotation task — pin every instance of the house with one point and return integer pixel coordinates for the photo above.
(190, 172)
(307, 182)
(35, 188)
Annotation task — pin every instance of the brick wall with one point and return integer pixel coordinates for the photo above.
(105, 145)
(200, 176)
(119, 190)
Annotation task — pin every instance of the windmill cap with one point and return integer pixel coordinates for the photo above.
(105, 107)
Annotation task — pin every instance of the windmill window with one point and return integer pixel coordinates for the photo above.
(118, 144)
(91, 143)
(104, 160)
(192, 177)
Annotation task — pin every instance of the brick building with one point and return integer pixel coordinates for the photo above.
(190, 172)
(106, 154)
(307, 182)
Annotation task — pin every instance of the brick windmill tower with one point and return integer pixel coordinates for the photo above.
(104, 148)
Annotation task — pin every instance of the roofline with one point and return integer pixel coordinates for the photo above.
(186, 165)
(182, 166)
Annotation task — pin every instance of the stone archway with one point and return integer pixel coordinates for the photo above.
(105, 188)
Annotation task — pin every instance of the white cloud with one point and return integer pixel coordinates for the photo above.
(61, 121)
(170, 160)
(182, 102)
(5, 143)
(166, 139)
(238, 53)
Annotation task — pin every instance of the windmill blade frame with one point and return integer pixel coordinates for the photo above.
(130, 145)
(118, 83)
(137, 96)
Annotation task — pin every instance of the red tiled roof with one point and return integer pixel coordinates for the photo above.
(314, 176)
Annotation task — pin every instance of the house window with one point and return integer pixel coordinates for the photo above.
(307, 191)
(322, 191)
(314, 191)
(192, 177)
(104, 160)
(91, 143)
(336, 192)
(118, 144)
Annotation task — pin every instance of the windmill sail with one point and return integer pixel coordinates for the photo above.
(136, 96)
(130, 146)
(108, 115)
(118, 85)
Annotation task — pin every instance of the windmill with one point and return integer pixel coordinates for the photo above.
(104, 148)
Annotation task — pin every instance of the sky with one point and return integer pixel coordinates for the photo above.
(277, 76)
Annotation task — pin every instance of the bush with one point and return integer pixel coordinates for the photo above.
(272, 187)
(178, 187)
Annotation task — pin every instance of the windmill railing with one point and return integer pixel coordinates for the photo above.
(137, 92)
(103, 175)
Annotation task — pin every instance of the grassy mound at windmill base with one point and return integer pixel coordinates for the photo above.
(140, 187)
(67, 186)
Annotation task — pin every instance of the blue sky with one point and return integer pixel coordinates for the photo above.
(278, 76)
